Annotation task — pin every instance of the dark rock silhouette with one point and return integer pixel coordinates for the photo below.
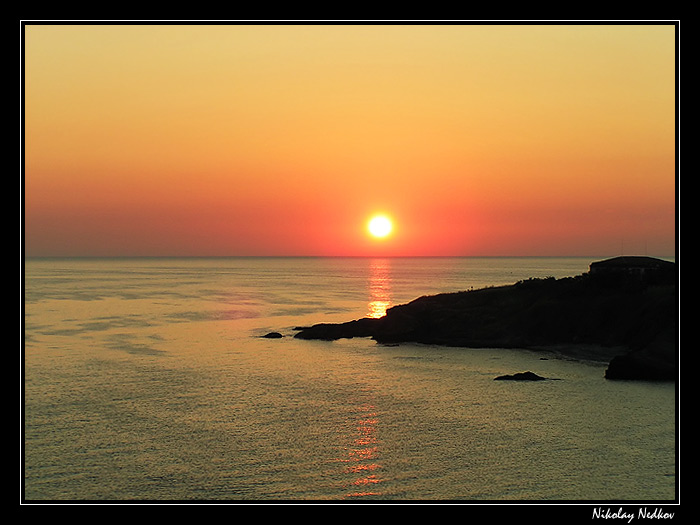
(521, 376)
(273, 335)
(331, 331)
(633, 318)
(653, 363)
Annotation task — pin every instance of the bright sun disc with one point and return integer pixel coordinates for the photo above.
(380, 226)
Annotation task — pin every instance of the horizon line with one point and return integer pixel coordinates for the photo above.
(596, 256)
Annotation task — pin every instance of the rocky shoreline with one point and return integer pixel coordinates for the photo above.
(629, 321)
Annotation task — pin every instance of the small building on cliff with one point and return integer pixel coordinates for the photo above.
(644, 269)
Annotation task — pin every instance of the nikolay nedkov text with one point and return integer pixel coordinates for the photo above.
(643, 513)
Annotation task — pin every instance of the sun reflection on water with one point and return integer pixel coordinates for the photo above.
(379, 287)
(362, 457)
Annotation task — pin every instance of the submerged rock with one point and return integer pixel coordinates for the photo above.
(521, 376)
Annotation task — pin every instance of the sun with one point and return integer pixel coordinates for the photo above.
(380, 226)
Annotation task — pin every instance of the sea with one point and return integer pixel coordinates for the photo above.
(148, 380)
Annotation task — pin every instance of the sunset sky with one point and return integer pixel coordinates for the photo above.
(286, 139)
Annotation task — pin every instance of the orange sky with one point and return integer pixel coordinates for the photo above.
(285, 139)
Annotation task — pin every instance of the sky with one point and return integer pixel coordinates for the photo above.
(285, 139)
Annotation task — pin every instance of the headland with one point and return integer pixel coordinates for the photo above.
(624, 311)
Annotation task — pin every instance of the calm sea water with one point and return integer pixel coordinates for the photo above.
(146, 379)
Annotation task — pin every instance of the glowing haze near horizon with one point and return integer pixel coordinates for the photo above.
(285, 140)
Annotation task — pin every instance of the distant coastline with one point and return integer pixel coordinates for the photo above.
(623, 311)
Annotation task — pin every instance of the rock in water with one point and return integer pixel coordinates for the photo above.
(331, 332)
(521, 376)
(273, 335)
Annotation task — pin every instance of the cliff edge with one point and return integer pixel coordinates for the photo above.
(632, 314)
